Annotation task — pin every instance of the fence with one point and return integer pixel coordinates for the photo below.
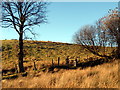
(68, 62)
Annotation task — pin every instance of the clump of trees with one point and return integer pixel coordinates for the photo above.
(22, 16)
(111, 23)
(105, 33)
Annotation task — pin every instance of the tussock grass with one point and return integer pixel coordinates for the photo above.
(41, 51)
(101, 76)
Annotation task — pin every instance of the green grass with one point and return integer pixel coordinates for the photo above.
(41, 51)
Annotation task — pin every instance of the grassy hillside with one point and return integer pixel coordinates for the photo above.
(102, 76)
(91, 72)
(41, 51)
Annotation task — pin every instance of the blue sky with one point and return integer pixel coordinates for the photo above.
(64, 19)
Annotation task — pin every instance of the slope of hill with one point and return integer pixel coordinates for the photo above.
(92, 71)
(101, 76)
(41, 51)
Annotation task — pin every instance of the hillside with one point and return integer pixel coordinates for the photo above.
(102, 76)
(91, 72)
(41, 51)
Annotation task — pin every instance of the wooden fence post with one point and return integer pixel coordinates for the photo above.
(75, 62)
(79, 59)
(67, 61)
(34, 66)
(58, 61)
(87, 57)
(52, 62)
(16, 68)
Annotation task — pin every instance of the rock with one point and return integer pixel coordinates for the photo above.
(56, 69)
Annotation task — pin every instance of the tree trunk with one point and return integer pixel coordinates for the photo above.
(20, 61)
(96, 53)
(118, 49)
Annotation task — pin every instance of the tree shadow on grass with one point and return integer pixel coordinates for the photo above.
(83, 65)
(11, 71)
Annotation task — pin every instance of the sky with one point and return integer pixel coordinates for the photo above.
(64, 19)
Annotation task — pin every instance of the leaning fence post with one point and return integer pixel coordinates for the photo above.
(58, 61)
(34, 66)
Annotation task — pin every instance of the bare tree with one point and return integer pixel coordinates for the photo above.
(105, 33)
(22, 16)
(93, 39)
(111, 23)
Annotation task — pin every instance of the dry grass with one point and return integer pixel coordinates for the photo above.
(101, 76)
